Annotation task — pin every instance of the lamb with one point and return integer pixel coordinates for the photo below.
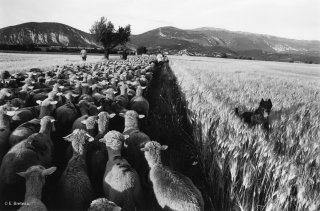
(139, 103)
(75, 189)
(173, 190)
(121, 182)
(35, 179)
(103, 204)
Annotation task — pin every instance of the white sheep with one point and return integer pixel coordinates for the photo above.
(35, 180)
(131, 119)
(103, 204)
(173, 190)
(121, 182)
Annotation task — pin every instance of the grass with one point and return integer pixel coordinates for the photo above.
(255, 170)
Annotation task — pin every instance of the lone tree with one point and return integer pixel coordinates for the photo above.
(141, 50)
(105, 33)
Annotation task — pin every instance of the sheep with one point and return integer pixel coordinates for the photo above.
(103, 204)
(35, 179)
(139, 103)
(97, 154)
(121, 182)
(91, 125)
(84, 107)
(173, 190)
(123, 99)
(75, 189)
(35, 150)
(4, 130)
(4, 95)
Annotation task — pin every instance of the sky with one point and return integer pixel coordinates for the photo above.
(296, 19)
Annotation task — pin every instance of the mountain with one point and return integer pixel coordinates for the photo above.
(217, 39)
(45, 33)
(206, 41)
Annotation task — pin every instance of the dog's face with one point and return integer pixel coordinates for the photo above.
(265, 107)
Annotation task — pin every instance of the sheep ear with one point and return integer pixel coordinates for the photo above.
(143, 87)
(126, 137)
(90, 137)
(115, 92)
(49, 171)
(117, 208)
(61, 87)
(144, 149)
(30, 87)
(22, 174)
(8, 94)
(68, 136)
(53, 102)
(39, 102)
(74, 95)
(101, 140)
(52, 120)
(14, 108)
(112, 115)
(121, 114)
(141, 116)
(11, 113)
(100, 107)
(84, 121)
(59, 93)
(164, 147)
(125, 145)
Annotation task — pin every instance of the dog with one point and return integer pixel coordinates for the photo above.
(259, 116)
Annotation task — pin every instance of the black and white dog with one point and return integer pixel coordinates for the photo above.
(259, 116)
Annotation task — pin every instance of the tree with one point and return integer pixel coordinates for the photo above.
(141, 50)
(105, 33)
(224, 55)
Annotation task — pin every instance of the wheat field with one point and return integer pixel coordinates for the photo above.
(15, 62)
(275, 170)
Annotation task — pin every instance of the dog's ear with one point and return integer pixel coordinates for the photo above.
(270, 103)
(262, 101)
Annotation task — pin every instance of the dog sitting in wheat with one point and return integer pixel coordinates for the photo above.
(258, 116)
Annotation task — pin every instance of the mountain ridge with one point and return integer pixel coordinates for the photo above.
(206, 41)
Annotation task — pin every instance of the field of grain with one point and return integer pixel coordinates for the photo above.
(252, 168)
(24, 61)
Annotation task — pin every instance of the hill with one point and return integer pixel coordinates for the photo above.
(213, 41)
(206, 41)
(45, 33)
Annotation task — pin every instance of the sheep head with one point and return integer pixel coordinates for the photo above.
(103, 204)
(79, 138)
(90, 122)
(103, 120)
(38, 172)
(152, 151)
(113, 139)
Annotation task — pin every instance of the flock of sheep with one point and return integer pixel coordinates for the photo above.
(74, 135)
